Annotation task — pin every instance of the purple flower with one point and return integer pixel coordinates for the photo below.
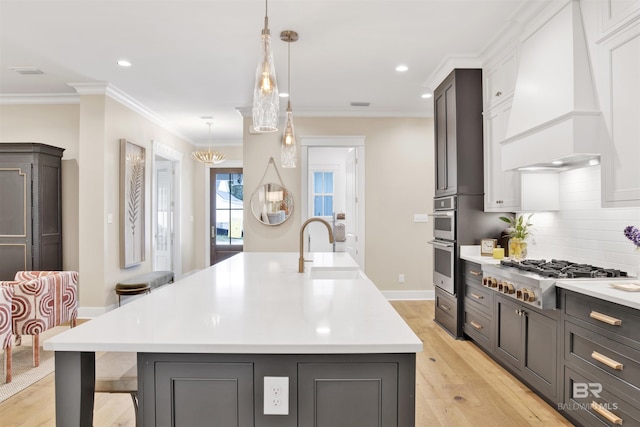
(633, 234)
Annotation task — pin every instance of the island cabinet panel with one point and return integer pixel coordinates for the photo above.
(343, 394)
(601, 361)
(204, 394)
(227, 390)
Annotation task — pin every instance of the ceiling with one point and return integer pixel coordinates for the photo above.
(198, 58)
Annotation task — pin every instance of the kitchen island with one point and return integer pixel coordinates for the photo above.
(340, 353)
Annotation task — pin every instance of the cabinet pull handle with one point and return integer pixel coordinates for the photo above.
(610, 416)
(444, 307)
(476, 325)
(477, 296)
(475, 273)
(606, 319)
(607, 361)
(498, 93)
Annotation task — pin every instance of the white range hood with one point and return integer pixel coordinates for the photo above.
(554, 114)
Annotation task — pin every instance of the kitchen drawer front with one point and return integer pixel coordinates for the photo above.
(598, 354)
(599, 313)
(478, 327)
(473, 272)
(478, 297)
(581, 389)
(446, 310)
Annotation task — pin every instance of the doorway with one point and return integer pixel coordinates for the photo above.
(167, 165)
(333, 189)
(226, 213)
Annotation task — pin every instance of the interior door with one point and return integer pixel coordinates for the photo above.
(227, 229)
(351, 205)
(163, 233)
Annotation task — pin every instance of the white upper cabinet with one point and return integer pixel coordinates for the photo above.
(620, 102)
(500, 79)
(501, 188)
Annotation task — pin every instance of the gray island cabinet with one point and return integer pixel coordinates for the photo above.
(211, 345)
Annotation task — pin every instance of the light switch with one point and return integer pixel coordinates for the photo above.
(109, 218)
(420, 218)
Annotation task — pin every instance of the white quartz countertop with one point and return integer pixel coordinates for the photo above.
(253, 303)
(602, 289)
(472, 253)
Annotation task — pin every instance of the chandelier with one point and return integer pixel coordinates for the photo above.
(208, 157)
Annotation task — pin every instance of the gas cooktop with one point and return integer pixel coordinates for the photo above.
(562, 269)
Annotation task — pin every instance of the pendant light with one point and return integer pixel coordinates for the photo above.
(208, 157)
(288, 149)
(266, 106)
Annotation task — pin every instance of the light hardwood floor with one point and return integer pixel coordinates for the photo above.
(457, 385)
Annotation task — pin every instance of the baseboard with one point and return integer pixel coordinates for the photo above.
(409, 295)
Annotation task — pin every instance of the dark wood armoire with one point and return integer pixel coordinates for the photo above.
(30, 208)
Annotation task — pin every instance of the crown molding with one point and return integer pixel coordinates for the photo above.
(104, 88)
(350, 112)
(448, 64)
(39, 98)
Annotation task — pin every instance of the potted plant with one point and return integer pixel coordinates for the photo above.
(519, 229)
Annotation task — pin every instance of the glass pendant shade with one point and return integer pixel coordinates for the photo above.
(288, 151)
(265, 93)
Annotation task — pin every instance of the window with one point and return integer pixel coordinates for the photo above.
(323, 193)
(228, 208)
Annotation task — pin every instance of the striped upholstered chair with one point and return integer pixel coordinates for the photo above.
(42, 300)
(6, 295)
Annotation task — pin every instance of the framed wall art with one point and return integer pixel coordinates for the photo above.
(132, 195)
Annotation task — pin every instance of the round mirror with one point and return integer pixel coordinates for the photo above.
(272, 204)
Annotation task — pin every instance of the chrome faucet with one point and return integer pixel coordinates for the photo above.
(301, 260)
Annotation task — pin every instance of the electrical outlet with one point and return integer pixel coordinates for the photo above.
(401, 278)
(276, 395)
(420, 218)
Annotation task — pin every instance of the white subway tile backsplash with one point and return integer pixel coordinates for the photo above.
(582, 230)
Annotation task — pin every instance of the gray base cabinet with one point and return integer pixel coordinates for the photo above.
(446, 311)
(527, 341)
(227, 390)
(478, 307)
(601, 361)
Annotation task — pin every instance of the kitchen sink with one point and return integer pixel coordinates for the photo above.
(335, 273)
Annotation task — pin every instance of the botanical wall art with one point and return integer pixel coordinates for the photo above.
(132, 192)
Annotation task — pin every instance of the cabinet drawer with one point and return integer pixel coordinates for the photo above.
(478, 327)
(473, 272)
(479, 298)
(446, 310)
(601, 355)
(609, 318)
(583, 390)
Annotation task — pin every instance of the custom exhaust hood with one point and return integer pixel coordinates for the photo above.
(554, 116)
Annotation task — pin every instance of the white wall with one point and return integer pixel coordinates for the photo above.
(582, 231)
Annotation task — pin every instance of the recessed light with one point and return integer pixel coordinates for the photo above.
(594, 162)
(402, 68)
(283, 95)
(426, 95)
(557, 162)
(124, 63)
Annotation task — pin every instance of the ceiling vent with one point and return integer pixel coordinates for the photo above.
(27, 70)
(360, 104)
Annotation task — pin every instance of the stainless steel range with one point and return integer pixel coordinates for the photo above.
(532, 281)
